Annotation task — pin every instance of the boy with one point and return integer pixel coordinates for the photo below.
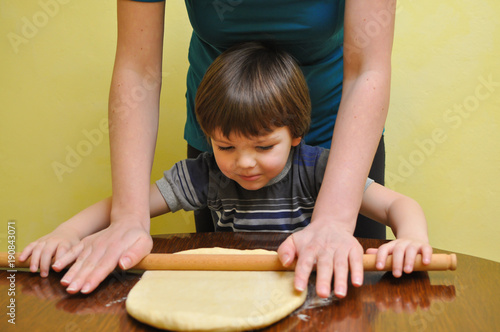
(253, 105)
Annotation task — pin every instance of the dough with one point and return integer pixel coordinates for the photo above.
(214, 300)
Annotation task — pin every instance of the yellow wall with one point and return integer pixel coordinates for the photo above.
(56, 64)
(443, 137)
(56, 61)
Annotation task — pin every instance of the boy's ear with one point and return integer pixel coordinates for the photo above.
(296, 141)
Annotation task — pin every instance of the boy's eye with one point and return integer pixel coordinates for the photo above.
(224, 148)
(265, 148)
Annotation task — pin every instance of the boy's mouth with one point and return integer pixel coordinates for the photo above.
(250, 177)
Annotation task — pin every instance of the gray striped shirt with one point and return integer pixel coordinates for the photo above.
(283, 205)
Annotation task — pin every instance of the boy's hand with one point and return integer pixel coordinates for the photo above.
(53, 245)
(403, 251)
(333, 250)
(98, 255)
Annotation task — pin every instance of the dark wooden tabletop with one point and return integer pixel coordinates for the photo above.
(467, 299)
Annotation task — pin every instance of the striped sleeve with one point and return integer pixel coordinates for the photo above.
(185, 185)
(368, 183)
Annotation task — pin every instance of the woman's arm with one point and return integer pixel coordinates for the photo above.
(133, 122)
(134, 107)
(328, 240)
(61, 245)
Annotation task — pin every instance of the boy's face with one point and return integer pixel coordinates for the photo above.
(253, 162)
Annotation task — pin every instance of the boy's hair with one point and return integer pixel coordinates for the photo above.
(252, 89)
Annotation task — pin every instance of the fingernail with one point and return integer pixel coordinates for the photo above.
(86, 288)
(356, 282)
(322, 291)
(43, 274)
(300, 286)
(380, 265)
(56, 265)
(125, 263)
(286, 259)
(340, 291)
(72, 287)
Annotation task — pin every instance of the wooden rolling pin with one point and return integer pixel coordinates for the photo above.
(439, 262)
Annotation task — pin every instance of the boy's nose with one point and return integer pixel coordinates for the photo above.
(246, 161)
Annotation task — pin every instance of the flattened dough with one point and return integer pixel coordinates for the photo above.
(214, 300)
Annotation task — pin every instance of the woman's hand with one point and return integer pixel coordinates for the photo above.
(403, 251)
(123, 243)
(328, 240)
(334, 251)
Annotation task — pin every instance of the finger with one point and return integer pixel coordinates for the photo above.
(27, 252)
(46, 259)
(69, 257)
(303, 269)
(287, 251)
(398, 255)
(94, 274)
(136, 252)
(62, 249)
(356, 265)
(409, 259)
(35, 256)
(340, 274)
(83, 266)
(426, 254)
(382, 255)
(94, 268)
(372, 251)
(324, 272)
(117, 256)
(79, 279)
(70, 274)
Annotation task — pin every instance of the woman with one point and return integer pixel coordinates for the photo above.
(345, 53)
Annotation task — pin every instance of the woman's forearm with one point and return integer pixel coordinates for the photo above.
(356, 136)
(362, 112)
(133, 130)
(133, 107)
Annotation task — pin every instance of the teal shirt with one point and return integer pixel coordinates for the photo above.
(311, 31)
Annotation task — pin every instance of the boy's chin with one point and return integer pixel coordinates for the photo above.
(252, 186)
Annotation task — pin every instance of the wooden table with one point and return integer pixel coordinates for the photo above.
(467, 299)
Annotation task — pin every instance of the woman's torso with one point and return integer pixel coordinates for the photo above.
(312, 31)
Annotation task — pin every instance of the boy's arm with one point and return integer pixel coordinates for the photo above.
(157, 204)
(67, 235)
(87, 222)
(407, 221)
